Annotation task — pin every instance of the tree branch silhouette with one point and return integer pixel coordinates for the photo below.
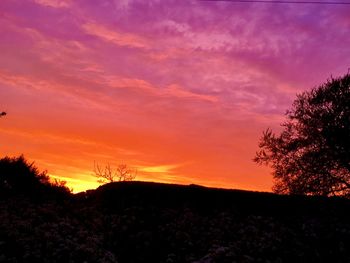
(312, 154)
(107, 174)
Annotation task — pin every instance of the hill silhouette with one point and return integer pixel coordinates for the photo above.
(125, 194)
(154, 222)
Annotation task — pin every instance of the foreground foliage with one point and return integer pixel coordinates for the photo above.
(149, 222)
(19, 177)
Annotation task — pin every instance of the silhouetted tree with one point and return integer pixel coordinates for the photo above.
(108, 174)
(312, 154)
(2, 114)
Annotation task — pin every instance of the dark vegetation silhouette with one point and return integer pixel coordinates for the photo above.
(312, 154)
(18, 176)
(134, 221)
(109, 174)
(2, 114)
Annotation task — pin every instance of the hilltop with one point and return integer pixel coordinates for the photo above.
(121, 195)
(41, 221)
(153, 222)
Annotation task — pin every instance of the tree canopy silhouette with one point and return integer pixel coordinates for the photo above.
(2, 113)
(312, 153)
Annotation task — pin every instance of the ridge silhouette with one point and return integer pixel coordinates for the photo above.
(155, 222)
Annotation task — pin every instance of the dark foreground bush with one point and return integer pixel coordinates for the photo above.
(19, 177)
(38, 222)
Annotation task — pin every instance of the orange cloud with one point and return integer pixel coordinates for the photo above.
(157, 168)
(33, 83)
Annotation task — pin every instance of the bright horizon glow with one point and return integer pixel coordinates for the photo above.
(181, 90)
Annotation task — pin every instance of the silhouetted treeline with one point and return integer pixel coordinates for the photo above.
(151, 222)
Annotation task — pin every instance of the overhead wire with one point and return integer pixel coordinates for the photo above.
(283, 2)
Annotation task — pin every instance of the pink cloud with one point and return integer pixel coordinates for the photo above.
(177, 91)
(115, 37)
(54, 3)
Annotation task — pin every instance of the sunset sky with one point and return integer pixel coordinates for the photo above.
(181, 90)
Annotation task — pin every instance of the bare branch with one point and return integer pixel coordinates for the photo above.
(108, 175)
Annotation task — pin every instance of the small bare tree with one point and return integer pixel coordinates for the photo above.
(108, 174)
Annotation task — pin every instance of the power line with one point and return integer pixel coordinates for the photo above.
(282, 2)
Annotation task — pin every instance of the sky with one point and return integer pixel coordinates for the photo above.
(180, 90)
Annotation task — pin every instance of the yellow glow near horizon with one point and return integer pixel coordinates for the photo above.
(158, 168)
(77, 185)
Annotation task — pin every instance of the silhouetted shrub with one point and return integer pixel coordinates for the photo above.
(18, 176)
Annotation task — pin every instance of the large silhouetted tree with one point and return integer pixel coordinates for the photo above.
(312, 153)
